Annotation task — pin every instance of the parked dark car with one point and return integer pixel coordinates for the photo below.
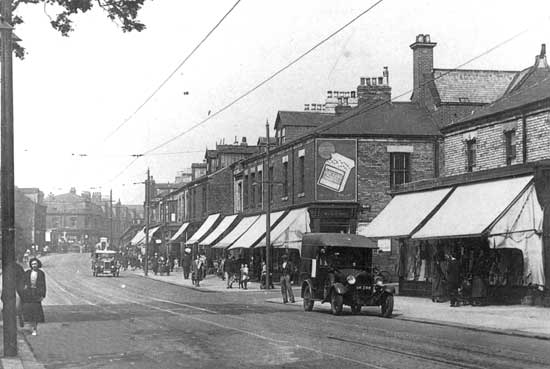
(337, 268)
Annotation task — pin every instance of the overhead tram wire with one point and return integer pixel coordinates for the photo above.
(359, 111)
(173, 72)
(281, 70)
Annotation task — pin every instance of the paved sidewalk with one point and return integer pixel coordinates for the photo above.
(519, 320)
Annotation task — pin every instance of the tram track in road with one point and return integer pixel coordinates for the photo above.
(401, 343)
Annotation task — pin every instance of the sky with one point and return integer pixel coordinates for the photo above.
(73, 95)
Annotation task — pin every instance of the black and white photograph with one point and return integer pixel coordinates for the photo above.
(259, 184)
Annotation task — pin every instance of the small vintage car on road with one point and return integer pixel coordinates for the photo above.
(105, 262)
(337, 268)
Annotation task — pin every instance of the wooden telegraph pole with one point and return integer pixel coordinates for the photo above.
(268, 214)
(7, 184)
(147, 194)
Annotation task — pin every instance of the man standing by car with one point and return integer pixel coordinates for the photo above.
(287, 268)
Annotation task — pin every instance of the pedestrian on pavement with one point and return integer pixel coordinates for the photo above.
(480, 278)
(453, 279)
(228, 271)
(287, 268)
(243, 282)
(439, 287)
(197, 268)
(34, 291)
(186, 262)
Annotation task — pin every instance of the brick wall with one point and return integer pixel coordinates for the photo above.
(491, 144)
(374, 182)
(538, 136)
(374, 171)
(220, 192)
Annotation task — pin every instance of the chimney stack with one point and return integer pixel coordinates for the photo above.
(540, 60)
(423, 64)
(375, 89)
(243, 142)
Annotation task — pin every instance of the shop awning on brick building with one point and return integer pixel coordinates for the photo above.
(140, 234)
(256, 231)
(290, 230)
(405, 213)
(219, 230)
(179, 233)
(151, 232)
(241, 227)
(203, 230)
(472, 209)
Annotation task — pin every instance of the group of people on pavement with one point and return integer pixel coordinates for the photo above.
(30, 291)
(450, 281)
(235, 271)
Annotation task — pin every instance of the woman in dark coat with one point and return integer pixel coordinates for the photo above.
(34, 291)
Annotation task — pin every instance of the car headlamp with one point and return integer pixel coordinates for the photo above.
(350, 279)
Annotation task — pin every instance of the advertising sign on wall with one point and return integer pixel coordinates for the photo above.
(335, 169)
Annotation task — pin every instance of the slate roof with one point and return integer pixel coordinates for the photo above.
(530, 94)
(529, 86)
(471, 86)
(302, 118)
(389, 119)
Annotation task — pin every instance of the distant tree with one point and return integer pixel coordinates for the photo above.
(122, 12)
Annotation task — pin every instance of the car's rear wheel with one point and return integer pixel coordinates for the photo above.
(356, 309)
(308, 299)
(336, 303)
(387, 307)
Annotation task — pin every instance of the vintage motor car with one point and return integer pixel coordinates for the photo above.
(337, 268)
(105, 262)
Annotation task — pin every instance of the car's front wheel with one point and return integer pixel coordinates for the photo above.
(387, 307)
(308, 299)
(336, 303)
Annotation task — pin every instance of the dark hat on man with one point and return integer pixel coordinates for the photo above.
(284, 257)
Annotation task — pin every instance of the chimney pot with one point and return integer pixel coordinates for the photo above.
(420, 38)
(543, 51)
(427, 38)
(329, 94)
(306, 106)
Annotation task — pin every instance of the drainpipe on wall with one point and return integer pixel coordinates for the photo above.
(524, 136)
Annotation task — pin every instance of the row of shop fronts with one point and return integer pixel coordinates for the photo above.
(492, 222)
(243, 236)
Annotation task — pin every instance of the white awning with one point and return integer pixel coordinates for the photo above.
(140, 235)
(521, 228)
(473, 208)
(404, 213)
(217, 232)
(257, 231)
(179, 232)
(290, 230)
(243, 226)
(204, 228)
(151, 232)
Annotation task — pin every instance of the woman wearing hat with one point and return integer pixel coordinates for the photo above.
(34, 291)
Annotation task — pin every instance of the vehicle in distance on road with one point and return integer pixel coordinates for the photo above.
(105, 262)
(337, 268)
